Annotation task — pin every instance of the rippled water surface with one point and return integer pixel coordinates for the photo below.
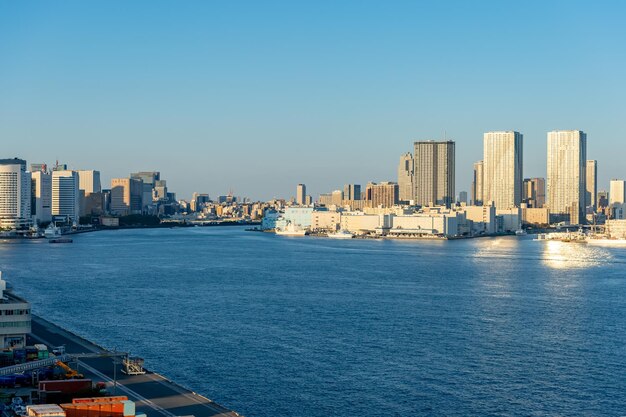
(275, 326)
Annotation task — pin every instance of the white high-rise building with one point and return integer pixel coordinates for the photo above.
(433, 173)
(617, 200)
(503, 162)
(89, 181)
(66, 195)
(617, 191)
(41, 197)
(405, 177)
(301, 194)
(591, 185)
(567, 176)
(14, 194)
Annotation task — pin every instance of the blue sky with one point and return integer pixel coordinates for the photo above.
(259, 96)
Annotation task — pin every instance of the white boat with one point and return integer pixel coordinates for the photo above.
(291, 230)
(520, 232)
(341, 234)
(52, 232)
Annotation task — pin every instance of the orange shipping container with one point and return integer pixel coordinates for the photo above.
(100, 399)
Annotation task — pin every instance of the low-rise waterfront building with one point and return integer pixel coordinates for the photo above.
(535, 217)
(325, 220)
(511, 219)
(482, 218)
(616, 229)
(15, 319)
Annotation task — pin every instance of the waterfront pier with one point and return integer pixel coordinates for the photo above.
(154, 395)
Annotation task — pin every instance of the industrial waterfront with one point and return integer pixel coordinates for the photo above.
(269, 325)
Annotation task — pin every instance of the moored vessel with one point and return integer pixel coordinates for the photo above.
(341, 234)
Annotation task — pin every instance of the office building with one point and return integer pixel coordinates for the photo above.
(90, 192)
(352, 192)
(566, 182)
(15, 189)
(126, 196)
(591, 185)
(477, 184)
(148, 180)
(617, 202)
(159, 193)
(534, 192)
(433, 172)
(89, 181)
(502, 169)
(198, 201)
(384, 194)
(617, 191)
(463, 197)
(39, 167)
(65, 196)
(336, 197)
(301, 194)
(405, 177)
(602, 199)
(41, 197)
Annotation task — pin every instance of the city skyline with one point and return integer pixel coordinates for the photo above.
(220, 79)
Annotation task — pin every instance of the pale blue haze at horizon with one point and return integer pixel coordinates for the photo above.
(260, 96)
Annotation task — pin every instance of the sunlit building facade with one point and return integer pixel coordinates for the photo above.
(433, 173)
(566, 182)
(503, 176)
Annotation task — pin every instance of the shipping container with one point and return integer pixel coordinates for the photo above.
(100, 399)
(45, 410)
(67, 386)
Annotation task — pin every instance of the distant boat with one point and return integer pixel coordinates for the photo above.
(61, 240)
(291, 230)
(341, 234)
(52, 232)
(520, 232)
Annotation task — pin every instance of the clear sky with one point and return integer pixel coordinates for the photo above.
(258, 96)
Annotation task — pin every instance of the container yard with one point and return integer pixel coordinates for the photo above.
(59, 374)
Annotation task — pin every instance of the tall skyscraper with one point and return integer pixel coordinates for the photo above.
(352, 192)
(301, 194)
(433, 173)
(503, 161)
(41, 197)
(591, 185)
(534, 192)
(405, 177)
(463, 197)
(567, 166)
(477, 184)
(15, 188)
(66, 195)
